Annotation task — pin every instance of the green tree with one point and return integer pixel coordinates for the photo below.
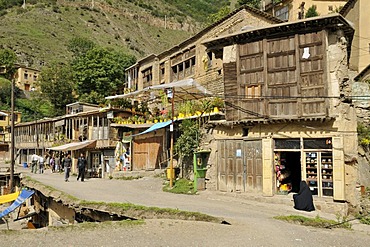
(5, 92)
(80, 46)
(93, 97)
(57, 86)
(34, 108)
(187, 143)
(100, 70)
(253, 3)
(212, 18)
(312, 12)
(7, 61)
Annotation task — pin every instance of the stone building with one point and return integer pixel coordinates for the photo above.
(288, 113)
(190, 59)
(292, 10)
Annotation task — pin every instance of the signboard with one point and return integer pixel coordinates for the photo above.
(110, 115)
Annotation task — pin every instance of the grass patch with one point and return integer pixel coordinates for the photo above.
(365, 220)
(128, 177)
(97, 225)
(315, 222)
(181, 186)
(154, 212)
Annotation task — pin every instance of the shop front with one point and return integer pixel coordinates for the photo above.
(309, 159)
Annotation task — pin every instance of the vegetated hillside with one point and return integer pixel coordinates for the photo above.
(39, 32)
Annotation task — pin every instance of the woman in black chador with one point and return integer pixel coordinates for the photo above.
(303, 200)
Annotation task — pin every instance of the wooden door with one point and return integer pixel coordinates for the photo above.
(253, 161)
(239, 165)
(146, 153)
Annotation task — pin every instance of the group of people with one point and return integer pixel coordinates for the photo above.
(40, 163)
(59, 164)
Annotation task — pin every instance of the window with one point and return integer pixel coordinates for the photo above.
(162, 79)
(25, 76)
(317, 143)
(252, 92)
(35, 77)
(330, 8)
(183, 65)
(15, 117)
(147, 77)
(287, 144)
(283, 13)
(2, 118)
(209, 55)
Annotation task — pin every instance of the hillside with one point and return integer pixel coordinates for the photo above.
(40, 32)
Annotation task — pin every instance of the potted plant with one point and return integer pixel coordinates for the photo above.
(217, 104)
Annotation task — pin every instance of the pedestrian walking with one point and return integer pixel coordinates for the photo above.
(67, 167)
(41, 164)
(34, 160)
(57, 163)
(52, 163)
(81, 164)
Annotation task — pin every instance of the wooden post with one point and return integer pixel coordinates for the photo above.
(172, 136)
(11, 182)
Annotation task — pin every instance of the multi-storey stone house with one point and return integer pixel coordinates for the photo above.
(189, 59)
(289, 115)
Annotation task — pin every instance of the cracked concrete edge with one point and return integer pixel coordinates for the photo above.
(144, 213)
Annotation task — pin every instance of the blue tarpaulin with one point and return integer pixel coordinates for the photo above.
(155, 127)
(25, 194)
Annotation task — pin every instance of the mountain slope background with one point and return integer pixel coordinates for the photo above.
(39, 31)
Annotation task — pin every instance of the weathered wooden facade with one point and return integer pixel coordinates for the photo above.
(190, 59)
(187, 60)
(44, 135)
(285, 100)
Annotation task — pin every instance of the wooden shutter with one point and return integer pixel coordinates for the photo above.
(267, 154)
(338, 169)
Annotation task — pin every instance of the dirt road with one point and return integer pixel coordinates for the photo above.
(252, 222)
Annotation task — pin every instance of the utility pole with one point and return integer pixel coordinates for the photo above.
(11, 182)
(172, 136)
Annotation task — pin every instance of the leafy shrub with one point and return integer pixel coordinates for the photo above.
(56, 9)
(3, 12)
(40, 5)
(20, 10)
(363, 133)
(312, 12)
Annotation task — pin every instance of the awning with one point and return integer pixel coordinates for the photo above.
(75, 146)
(155, 127)
(184, 89)
(3, 114)
(25, 194)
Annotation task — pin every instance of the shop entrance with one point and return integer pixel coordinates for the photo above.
(288, 171)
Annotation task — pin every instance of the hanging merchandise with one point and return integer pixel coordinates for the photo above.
(119, 153)
(283, 183)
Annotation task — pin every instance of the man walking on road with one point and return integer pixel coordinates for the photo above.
(67, 167)
(81, 164)
(34, 160)
(41, 164)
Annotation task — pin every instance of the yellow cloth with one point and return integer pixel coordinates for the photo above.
(9, 197)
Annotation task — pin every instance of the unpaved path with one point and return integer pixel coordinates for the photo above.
(252, 222)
